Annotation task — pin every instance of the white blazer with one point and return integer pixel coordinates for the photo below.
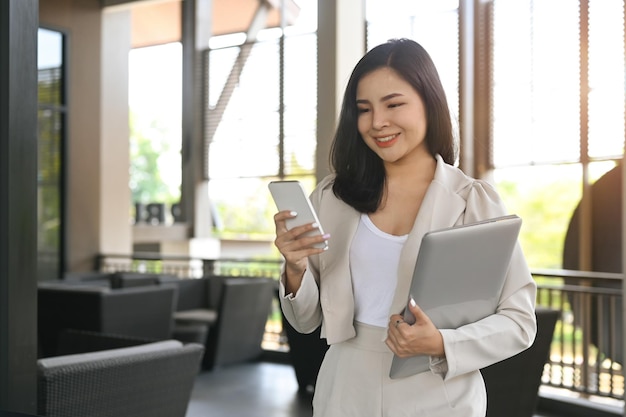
(325, 296)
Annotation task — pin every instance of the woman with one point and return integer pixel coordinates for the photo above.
(393, 181)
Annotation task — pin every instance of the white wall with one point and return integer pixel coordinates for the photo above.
(115, 202)
(98, 199)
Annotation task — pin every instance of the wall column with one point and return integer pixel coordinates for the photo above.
(115, 201)
(340, 45)
(19, 20)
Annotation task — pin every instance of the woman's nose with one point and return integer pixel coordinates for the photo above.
(379, 120)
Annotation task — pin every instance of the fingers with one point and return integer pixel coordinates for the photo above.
(297, 238)
(396, 340)
(396, 320)
(280, 219)
(418, 313)
(410, 338)
(296, 244)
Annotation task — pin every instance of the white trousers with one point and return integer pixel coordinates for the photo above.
(354, 382)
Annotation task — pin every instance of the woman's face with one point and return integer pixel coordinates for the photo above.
(392, 117)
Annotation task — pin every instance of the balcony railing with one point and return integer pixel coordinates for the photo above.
(587, 348)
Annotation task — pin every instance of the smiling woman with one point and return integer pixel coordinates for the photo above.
(391, 111)
(393, 181)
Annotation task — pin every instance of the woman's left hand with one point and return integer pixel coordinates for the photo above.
(421, 337)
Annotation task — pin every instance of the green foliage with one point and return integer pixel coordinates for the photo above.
(545, 208)
(49, 159)
(251, 215)
(246, 219)
(148, 142)
(248, 209)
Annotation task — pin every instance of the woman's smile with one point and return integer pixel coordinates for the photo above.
(392, 117)
(387, 141)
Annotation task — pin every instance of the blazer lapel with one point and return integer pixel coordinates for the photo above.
(336, 295)
(442, 207)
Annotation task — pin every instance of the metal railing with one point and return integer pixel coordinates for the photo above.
(586, 355)
(188, 267)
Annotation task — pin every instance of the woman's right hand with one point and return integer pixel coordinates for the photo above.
(295, 247)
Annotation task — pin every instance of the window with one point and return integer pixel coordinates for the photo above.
(558, 111)
(155, 102)
(260, 122)
(51, 118)
(434, 24)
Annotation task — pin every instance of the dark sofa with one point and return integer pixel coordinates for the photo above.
(143, 312)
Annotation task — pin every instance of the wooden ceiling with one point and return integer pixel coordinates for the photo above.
(159, 22)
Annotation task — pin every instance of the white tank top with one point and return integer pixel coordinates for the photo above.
(374, 257)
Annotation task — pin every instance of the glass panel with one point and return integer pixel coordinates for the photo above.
(244, 129)
(245, 149)
(221, 62)
(306, 22)
(300, 115)
(433, 24)
(50, 119)
(545, 198)
(606, 78)
(244, 115)
(244, 207)
(535, 81)
(599, 169)
(155, 104)
(300, 146)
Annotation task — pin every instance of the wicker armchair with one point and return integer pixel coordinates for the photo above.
(141, 312)
(245, 304)
(148, 380)
(227, 314)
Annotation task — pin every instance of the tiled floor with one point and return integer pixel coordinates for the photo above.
(262, 389)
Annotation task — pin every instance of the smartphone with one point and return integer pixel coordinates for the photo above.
(290, 195)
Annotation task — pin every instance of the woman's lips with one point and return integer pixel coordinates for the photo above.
(385, 141)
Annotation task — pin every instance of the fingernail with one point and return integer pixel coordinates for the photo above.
(326, 236)
(315, 225)
(413, 303)
(293, 213)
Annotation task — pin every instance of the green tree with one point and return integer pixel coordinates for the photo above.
(148, 142)
(545, 208)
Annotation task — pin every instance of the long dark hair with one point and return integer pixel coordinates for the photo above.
(360, 174)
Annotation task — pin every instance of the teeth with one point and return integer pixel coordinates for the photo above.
(386, 138)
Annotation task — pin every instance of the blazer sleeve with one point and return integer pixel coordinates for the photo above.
(303, 310)
(512, 328)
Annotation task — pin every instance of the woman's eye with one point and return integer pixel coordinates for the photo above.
(362, 110)
(393, 105)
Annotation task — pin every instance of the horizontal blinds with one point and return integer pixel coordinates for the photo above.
(545, 66)
(300, 100)
(243, 131)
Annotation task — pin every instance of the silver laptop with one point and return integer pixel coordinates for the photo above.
(458, 278)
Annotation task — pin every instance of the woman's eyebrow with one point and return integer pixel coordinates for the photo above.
(384, 98)
(390, 96)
